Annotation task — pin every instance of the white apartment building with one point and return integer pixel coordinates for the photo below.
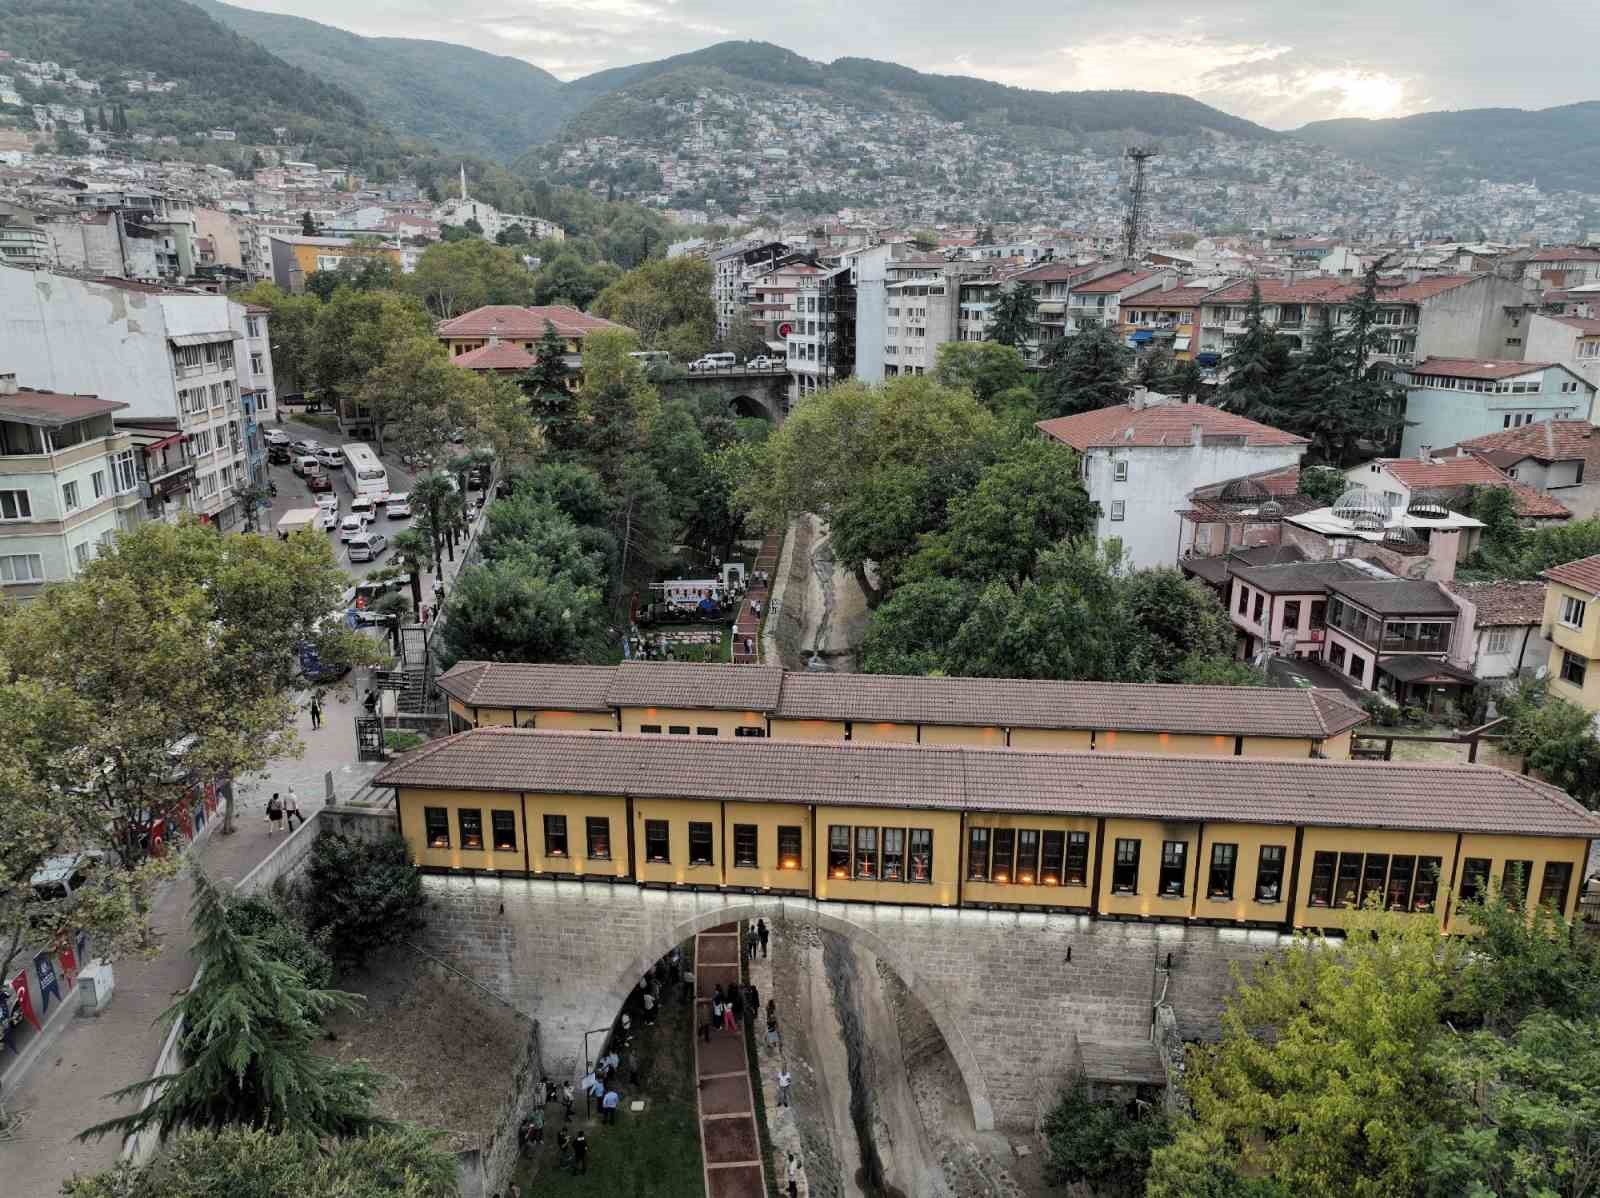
(170, 356)
(1570, 341)
(69, 482)
(922, 307)
(820, 346)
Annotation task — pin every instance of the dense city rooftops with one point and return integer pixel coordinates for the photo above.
(1458, 798)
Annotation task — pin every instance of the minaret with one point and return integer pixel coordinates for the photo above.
(463, 180)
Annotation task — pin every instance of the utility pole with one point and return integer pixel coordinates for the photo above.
(1133, 221)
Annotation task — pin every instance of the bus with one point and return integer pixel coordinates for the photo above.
(364, 472)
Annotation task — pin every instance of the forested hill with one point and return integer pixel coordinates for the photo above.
(1558, 147)
(453, 95)
(224, 81)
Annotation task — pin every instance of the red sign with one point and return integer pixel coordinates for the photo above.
(785, 329)
(25, 999)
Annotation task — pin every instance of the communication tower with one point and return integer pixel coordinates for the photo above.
(1133, 222)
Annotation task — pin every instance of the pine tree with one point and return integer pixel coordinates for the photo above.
(1084, 373)
(1014, 315)
(1256, 367)
(250, 1024)
(1375, 408)
(308, 227)
(1316, 397)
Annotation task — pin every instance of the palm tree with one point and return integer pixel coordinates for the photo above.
(414, 553)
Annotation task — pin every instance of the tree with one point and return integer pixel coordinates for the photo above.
(1185, 379)
(436, 502)
(455, 277)
(510, 611)
(512, 235)
(907, 634)
(1185, 620)
(745, 339)
(250, 1024)
(417, 397)
(1084, 373)
(361, 896)
(1323, 483)
(413, 553)
(1098, 1143)
(1375, 404)
(404, 1162)
(1015, 313)
(498, 412)
(924, 240)
(1256, 367)
(616, 401)
(292, 326)
(1342, 1096)
(661, 298)
(567, 279)
(1557, 739)
(354, 333)
(1153, 370)
(986, 368)
(308, 227)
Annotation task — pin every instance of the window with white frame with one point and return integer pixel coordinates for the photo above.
(69, 496)
(202, 443)
(125, 472)
(98, 481)
(14, 505)
(1119, 472)
(258, 364)
(81, 554)
(1573, 610)
(21, 567)
(206, 485)
(252, 325)
(1118, 508)
(1498, 641)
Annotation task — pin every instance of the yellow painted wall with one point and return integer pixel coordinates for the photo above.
(1151, 834)
(1338, 840)
(724, 721)
(1337, 748)
(577, 809)
(460, 714)
(1051, 738)
(1017, 892)
(1537, 849)
(570, 721)
(1164, 742)
(808, 729)
(678, 813)
(413, 820)
(767, 817)
(1281, 746)
(940, 892)
(956, 734)
(494, 717)
(1584, 640)
(1243, 905)
(898, 733)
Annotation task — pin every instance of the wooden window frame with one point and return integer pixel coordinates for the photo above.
(894, 858)
(503, 821)
(658, 831)
(791, 835)
(913, 835)
(839, 868)
(746, 834)
(1125, 860)
(1228, 867)
(555, 828)
(704, 830)
(591, 825)
(978, 870)
(436, 818)
(1268, 868)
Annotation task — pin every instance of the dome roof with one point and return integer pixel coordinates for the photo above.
(1427, 505)
(1366, 510)
(1243, 491)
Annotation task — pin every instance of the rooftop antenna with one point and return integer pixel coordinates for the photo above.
(1133, 222)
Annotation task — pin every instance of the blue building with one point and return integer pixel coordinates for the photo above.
(1449, 400)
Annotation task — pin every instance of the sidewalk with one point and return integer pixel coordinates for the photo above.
(63, 1092)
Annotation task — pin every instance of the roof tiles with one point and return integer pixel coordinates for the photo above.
(1164, 425)
(1434, 797)
(512, 320)
(1582, 575)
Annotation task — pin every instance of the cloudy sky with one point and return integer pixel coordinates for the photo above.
(1273, 61)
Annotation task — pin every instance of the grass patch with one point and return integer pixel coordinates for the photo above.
(654, 1154)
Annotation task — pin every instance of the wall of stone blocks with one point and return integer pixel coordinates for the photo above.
(999, 985)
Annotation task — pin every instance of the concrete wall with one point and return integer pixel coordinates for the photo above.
(1470, 321)
(568, 953)
(1551, 340)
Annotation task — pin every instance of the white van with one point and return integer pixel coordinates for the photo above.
(723, 361)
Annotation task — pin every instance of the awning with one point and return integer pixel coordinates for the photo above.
(1208, 358)
(205, 338)
(1425, 669)
(1180, 343)
(1142, 336)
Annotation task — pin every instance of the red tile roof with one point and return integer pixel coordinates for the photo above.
(51, 409)
(517, 684)
(499, 356)
(1582, 575)
(511, 320)
(1276, 291)
(1507, 602)
(1477, 368)
(1441, 474)
(1168, 424)
(1422, 289)
(1433, 797)
(1177, 297)
(1546, 441)
(1109, 284)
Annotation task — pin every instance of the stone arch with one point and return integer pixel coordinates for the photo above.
(751, 405)
(778, 911)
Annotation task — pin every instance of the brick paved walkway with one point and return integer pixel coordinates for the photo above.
(63, 1092)
(729, 1140)
(747, 623)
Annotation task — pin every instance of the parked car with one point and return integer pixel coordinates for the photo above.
(399, 506)
(367, 546)
(762, 362)
(331, 457)
(363, 598)
(306, 464)
(275, 436)
(278, 455)
(365, 506)
(319, 482)
(722, 361)
(62, 877)
(352, 527)
(308, 445)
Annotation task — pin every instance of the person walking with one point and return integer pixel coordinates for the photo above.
(564, 1147)
(536, 1125)
(762, 934)
(752, 1001)
(784, 1080)
(274, 813)
(566, 1099)
(793, 1176)
(608, 1106)
(773, 1040)
(316, 712)
(716, 1008)
(291, 811)
(730, 1022)
(580, 1152)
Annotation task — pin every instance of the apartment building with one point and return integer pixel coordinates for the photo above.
(732, 271)
(1401, 480)
(869, 275)
(1552, 268)
(1051, 283)
(1453, 399)
(69, 482)
(171, 356)
(820, 347)
(295, 259)
(1097, 302)
(922, 312)
(1163, 318)
(1570, 341)
(1572, 613)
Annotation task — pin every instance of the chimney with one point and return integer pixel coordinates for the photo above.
(1138, 398)
(8, 383)
(1424, 453)
(1196, 434)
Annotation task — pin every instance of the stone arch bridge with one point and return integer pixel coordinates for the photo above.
(748, 392)
(1006, 989)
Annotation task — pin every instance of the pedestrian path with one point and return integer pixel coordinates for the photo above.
(748, 622)
(730, 1144)
(783, 1125)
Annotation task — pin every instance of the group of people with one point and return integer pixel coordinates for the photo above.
(283, 809)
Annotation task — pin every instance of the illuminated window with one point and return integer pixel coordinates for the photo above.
(1027, 856)
(1055, 846)
(700, 842)
(1224, 859)
(656, 850)
(838, 851)
(470, 820)
(1077, 873)
(437, 822)
(744, 846)
(867, 853)
(1005, 847)
(921, 865)
(555, 836)
(597, 836)
(788, 848)
(505, 831)
(894, 854)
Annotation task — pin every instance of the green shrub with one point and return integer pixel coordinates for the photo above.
(403, 742)
(282, 938)
(1096, 1142)
(360, 896)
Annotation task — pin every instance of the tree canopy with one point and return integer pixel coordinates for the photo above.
(455, 277)
(667, 303)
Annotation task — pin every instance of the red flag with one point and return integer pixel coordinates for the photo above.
(25, 999)
(69, 961)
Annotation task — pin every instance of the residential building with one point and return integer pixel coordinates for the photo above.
(1454, 399)
(820, 348)
(1509, 635)
(1419, 542)
(734, 268)
(923, 307)
(1548, 455)
(258, 391)
(294, 259)
(1097, 302)
(1552, 268)
(1140, 461)
(1572, 614)
(165, 222)
(1051, 283)
(24, 244)
(170, 355)
(69, 482)
(459, 209)
(497, 357)
(1400, 480)
(511, 324)
(1166, 319)
(1570, 341)
(1238, 514)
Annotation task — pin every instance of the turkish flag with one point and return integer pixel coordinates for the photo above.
(25, 999)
